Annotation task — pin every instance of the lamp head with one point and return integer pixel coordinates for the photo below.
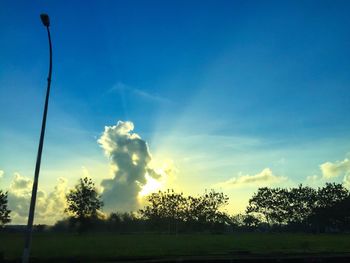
(45, 19)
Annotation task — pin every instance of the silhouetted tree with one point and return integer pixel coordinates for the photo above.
(301, 201)
(206, 208)
(161, 205)
(298, 208)
(124, 222)
(338, 215)
(269, 204)
(332, 209)
(238, 220)
(83, 202)
(4, 211)
(173, 210)
(251, 221)
(165, 209)
(331, 194)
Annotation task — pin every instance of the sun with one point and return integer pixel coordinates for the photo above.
(164, 169)
(152, 185)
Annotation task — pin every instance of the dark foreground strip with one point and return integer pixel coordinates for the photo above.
(309, 258)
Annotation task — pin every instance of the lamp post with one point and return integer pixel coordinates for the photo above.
(26, 252)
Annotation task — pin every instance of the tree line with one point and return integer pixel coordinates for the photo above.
(300, 208)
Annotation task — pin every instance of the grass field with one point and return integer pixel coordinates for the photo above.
(110, 245)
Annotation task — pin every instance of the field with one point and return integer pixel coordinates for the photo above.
(107, 246)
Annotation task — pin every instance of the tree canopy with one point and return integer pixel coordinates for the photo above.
(303, 206)
(174, 209)
(83, 201)
(4, 211)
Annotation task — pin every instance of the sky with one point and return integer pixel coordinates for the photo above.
(190, 95)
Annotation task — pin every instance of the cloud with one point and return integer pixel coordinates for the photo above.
(49, 207)
(56, 200)
(121, 87)
(131, 164)
(346, 181)
(314, 180)
(338, 168)
(264, 178)
(149, 96)
(1, 173)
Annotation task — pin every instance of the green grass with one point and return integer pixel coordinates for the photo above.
(110, 245)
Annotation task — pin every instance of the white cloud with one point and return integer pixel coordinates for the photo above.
(56, 200)
(121, 87)
(314, 180)
(1, 173)
(49, 207)
(131, 164)
(149, 96)
(331, 171)
(338, 168)
(346, 181)
(264, 178)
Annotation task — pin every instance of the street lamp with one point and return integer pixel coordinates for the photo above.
(26, 252)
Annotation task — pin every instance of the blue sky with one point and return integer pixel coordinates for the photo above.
(220, 88)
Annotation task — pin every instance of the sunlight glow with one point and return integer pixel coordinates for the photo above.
(165, 169)
(152, 185)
